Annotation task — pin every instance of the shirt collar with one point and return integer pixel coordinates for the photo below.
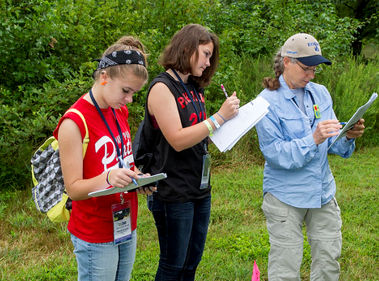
(288, 94)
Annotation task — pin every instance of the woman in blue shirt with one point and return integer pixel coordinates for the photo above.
(298, 184)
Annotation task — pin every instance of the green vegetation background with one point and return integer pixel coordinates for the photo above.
(46, 62)
(48, 47)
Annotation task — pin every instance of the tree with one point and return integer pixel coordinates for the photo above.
(367, 13)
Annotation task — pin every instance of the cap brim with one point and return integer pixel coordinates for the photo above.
(313, 60)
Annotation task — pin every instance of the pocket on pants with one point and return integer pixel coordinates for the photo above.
(338, 224)
(329, 220)
(276, 214)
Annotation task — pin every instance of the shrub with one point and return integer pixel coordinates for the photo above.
(47, 48)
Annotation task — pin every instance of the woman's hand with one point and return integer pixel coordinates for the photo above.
(357, 131)
(326, 129)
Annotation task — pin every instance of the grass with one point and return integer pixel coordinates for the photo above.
(33, 248)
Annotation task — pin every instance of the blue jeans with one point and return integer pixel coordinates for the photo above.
(182, 231)
(105, 261)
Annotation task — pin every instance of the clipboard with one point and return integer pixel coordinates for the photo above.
(355, 118)
(232, 131)
(130, 187)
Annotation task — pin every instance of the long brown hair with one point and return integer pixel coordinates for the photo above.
(185, 43)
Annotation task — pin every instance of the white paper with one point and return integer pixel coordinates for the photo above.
(140, 182)
(355, 118)
(248, 116)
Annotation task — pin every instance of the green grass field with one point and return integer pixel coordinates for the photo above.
(33, 248)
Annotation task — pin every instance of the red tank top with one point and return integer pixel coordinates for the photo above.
(91, 219)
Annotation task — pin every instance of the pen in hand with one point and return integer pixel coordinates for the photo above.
(134, 180)
(123, 165)
(223, 89)
(347, 128)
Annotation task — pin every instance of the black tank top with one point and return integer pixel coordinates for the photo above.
(183, 168)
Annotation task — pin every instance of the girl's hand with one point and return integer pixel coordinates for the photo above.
(121, 177)
(146, 190)
(230, 107)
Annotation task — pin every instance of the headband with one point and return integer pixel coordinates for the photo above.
(121, 57)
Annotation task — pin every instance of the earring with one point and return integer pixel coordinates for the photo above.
(103, 83)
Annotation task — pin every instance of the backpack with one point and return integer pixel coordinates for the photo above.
(49, 193)
(144, 143)
(143, 146)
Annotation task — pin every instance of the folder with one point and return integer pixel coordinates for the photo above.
(234, 129)
(355, 118)
(130, 187)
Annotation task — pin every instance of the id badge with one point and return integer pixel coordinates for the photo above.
(206, 171)
(122, 227)
(316, 110)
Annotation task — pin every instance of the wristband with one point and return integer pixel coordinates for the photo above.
(209, 127)
(108, 177)
(215, 122)
(221, 117)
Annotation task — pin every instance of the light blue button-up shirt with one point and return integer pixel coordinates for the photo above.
(297, 170)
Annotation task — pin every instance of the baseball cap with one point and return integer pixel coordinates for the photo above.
(304, 48)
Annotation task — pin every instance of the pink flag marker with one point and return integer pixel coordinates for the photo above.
(256, 274)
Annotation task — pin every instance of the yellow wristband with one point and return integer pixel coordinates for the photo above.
(209, 127)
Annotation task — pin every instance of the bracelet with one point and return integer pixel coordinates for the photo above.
(209, 127)
(221, 117)
(215, 122)
(108, 177)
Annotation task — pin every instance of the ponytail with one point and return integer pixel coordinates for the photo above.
(273, 83)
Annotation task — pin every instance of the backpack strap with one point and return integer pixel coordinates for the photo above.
(86, 137)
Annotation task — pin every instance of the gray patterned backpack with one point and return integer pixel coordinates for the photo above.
(49, 193)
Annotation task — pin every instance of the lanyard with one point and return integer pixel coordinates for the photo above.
(190, 96)
(109, 129)
(315, 108)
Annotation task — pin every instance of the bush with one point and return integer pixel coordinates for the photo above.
(48, 48)
(28, 120)
(351, 83)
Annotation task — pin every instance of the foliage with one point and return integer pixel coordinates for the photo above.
(27, 121)
(367, 13)
(261, 27)
(33, 248)
(46, 54)
(47, 48)
(351, 84)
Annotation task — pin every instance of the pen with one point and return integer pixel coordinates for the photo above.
(343, 123)
(134, 180)
(123, 165)
(223, 89)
